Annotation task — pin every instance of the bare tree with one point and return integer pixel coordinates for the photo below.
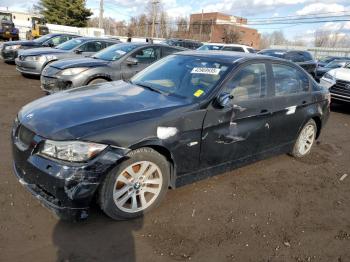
(321, 38)
(274, 38)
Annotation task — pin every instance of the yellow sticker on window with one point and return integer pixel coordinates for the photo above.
(198, 93)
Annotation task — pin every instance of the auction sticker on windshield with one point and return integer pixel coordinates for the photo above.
(205, 70)
(198, 93)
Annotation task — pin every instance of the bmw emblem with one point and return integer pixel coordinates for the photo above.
(30, 116)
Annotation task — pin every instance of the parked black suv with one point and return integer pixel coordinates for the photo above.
(190, 44)
(302, 58)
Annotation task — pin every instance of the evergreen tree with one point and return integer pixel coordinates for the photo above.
(65, 12)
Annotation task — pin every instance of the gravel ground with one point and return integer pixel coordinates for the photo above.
(279, 209)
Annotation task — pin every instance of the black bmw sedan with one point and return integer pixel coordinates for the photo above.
(9, 50)
(186, 117)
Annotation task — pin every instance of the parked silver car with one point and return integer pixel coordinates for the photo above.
(33, 61)
(117, 62)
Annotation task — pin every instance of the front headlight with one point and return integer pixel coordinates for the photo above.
(12, 47)
(72, 71)
(73, 151)
(35, 58)
(329, 77)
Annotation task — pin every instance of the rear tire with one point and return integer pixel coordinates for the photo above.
(97, 81)
(136, 185)
(306, 140)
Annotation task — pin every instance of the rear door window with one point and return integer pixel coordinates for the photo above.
(92, 46)
(168, 51)
(289, 80)
(147, 55)
(233, 48)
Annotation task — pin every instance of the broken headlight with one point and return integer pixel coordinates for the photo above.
(73, 151)
(328, 76)
(72, 71)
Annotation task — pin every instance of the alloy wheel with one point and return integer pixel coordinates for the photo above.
(306, 139)
(137, 186)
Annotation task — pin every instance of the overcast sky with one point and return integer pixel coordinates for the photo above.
(252, 9)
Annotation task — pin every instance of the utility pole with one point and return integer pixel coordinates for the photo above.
(200, 29)
(100, 20)
(154, 6)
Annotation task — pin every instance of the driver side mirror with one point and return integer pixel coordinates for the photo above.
(224, 99)
(131, 61)
(78, 51)
(48, 44)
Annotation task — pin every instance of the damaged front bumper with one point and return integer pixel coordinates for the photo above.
(65, 188)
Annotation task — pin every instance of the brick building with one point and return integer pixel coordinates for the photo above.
(221, 28)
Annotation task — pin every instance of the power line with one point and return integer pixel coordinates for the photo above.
(298, 19)
(301, 22)
(295, 16)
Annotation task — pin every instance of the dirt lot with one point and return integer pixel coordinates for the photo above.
(279, 209)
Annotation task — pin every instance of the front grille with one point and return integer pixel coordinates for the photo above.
(25, 135)
(341, 87)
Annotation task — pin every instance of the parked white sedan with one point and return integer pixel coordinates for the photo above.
(227, 47)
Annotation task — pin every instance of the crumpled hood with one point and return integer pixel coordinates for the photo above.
(340, 74)
(83, 111)
(79, 62)
(41, 51)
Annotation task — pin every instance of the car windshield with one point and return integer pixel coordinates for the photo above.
(327, 59)
(5, 17)
(115, 52)
(43, 38)
(336, 64)
(183, 76)
(69, 45)
(210, 47)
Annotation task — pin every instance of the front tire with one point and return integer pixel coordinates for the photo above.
(306, 139)
(135, 186)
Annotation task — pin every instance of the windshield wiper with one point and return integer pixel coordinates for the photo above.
(148, 87)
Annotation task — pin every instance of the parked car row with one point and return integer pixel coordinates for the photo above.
(33, 61)
(174, 117)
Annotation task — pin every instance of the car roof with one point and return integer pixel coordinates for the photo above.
(184, 40)
(142, 44)
(227, 56)
(89, 38)
(223, 44)
(283, 50)
(57, 34)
